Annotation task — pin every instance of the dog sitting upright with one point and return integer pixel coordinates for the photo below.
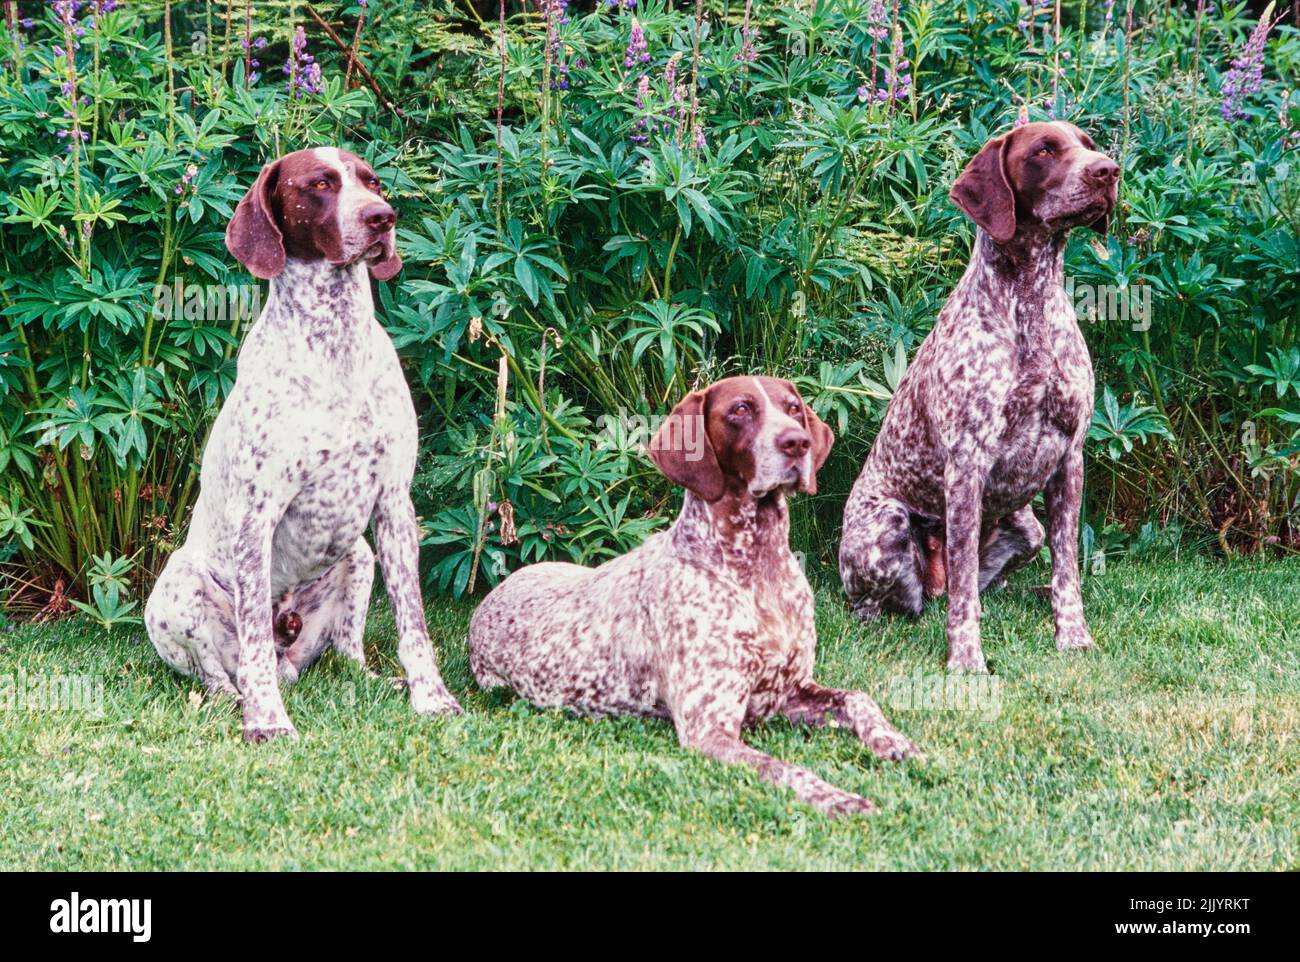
(316, 442)
(993, 409)
(710, 623)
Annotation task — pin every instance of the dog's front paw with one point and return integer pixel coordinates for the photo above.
(1074, 639)
(434, 700)
(891, 745)
(258, 734)
(843, 803)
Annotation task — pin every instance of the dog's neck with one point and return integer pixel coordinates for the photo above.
(744, 534)
(329, 308)
(1027, 270)
(1033, 256)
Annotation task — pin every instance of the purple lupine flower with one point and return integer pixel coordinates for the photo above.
(670, 70)
(1246, 77)
(876, 28)
(66, 11)
(556, 13)
(897, 83)
(863, 94)
(636, 46)
(642, 96)
(747, 52)
(700, 141)
(71, 135)
(301, 67)
(190, 171)
(25, 23)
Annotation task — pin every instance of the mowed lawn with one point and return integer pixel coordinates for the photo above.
(1174, 746)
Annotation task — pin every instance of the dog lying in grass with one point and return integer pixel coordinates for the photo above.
(709, 624)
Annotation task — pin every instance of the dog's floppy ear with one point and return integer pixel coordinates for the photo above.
(822, 439)
(253, 236)
(681, 449)
(984, 193)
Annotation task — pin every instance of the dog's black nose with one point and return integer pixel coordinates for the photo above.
(793, 442)
(1103, 171)
(378, 217)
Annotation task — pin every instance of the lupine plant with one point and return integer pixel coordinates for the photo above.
(606, 204)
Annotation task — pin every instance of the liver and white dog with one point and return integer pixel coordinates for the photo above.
(710, 623)
(993, 409)
(316, 442)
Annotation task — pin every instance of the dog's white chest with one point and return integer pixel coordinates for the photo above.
(329, 512)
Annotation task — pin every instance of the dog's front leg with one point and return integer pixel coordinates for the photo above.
(1064, 496)
(963, 484)
(397, 538)
(263, 707)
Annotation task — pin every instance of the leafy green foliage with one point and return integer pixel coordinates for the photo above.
(635, 227)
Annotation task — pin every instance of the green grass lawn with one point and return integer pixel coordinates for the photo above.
(1174, 746)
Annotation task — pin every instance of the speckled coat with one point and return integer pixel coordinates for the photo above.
(709, 624)
(316, 442)
(993, 409)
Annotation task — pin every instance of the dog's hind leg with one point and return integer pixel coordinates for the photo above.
(881, 564)
(189, 619)
(811, 704)
(1012, 543)
(709, 721)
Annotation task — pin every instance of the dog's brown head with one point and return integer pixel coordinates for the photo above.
(1042, 174)
(741, 435)
(318, 204)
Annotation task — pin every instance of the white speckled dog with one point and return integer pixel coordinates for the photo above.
(316, 441)
(994, 407)
(709, 623)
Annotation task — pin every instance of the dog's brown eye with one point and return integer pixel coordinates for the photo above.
(740, 409)
(793, 407)
(373, 182)
(1044, 151)
(322, 184)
